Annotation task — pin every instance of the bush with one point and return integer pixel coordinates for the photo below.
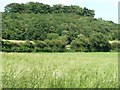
(39, 46)
(115, 46)
(81, 44)
(100, 43)
(8, 46)
(52, 36)
(17, 47)
(55, 45)
(77, 46)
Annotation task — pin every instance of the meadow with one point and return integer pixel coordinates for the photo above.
(60, 70)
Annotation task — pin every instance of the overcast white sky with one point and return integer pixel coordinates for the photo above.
(106, 9)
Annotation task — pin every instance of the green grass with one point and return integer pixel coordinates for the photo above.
(60, 70)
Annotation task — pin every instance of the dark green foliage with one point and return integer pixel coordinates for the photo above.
(115, 46)
(116, 35)
(14, 8)
(17, 47)
(53, 28)
(39, 46)
(6, 46)
(39, 26)
(52, 36)
(36, 7)
(53, 45)
(81, 43)
(100, 43)
(77, 45)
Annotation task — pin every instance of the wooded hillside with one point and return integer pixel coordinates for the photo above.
(73, 25)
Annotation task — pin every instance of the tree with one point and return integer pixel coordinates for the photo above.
(100, 43)
(39, 45)
(55, 45)
(36, 7)
(57, 8)
(81, 43)
(52, 36)
(87, 12)
(14, 8)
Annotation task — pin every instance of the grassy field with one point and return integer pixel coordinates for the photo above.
(60, 70)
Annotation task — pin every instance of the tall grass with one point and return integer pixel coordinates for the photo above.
(60, 70)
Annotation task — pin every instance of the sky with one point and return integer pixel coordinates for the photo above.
(105, 9)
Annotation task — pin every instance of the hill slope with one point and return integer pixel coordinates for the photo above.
(38, 26)
(74, 26)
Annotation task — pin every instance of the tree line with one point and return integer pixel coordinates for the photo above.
(40, 8)
(95, 44)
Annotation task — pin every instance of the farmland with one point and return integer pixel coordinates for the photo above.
(60, 70)
(57, 46)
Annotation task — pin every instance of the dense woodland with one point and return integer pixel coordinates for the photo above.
(56, 28)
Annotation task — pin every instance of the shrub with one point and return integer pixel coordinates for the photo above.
(52, 36)
(100, 43)
(77, 46)
(55, 45)
(39, 46)
(115, 46)
(81, 44)
(17, 47)
(7, 46)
